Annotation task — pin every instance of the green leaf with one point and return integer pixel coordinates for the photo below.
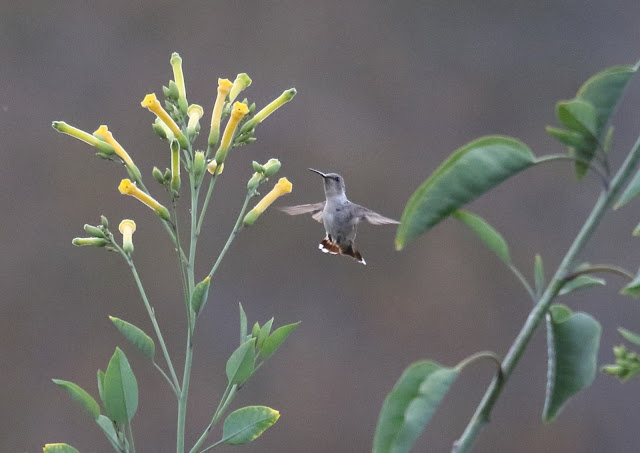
(632, 191)
(80, 396)
(410, 405)
(486, 233)
(604, 90)
(538, 272)
(465, 175)
(573, 343)
(59, 448)
(101, 385)
(200, 295)
(630, 336)
(633, 288)
(273, 341)
(247, 424)
(109, 430)
(570, 138)
(580, 282)
(240, 365)
(579, 116)
(243, 325)
(136, 337)
(264, 332)
(120, 389)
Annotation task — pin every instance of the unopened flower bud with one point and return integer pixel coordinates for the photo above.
(285, 97)
(271, 167)
(176, 64)
(241, 82)
(94, 231)
(95, 242)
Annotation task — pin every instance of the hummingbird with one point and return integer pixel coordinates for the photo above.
(339, 216)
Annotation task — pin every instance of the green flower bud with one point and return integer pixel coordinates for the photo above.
(175, 165)
(241, 82)
(173, 91)
(176, 64)
(271, 167)
(94, 231)
(199, 164)
(165, 90)
(157, 175)
(254, 182)
(257, 167)
(159, 130)
(199, 296)
(104, 221)
(96, 242)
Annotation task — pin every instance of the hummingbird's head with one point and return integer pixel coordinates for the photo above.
(333, 183)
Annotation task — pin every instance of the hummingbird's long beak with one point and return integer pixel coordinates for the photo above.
(319, 172)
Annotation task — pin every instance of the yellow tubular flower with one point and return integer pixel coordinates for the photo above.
(285, 97)
(176, 64)
(242, 81)
(127, 187)
(239, 111)
(224, 85)
(127, 227)
(64, 128)
(282, 187)
(104, 132)
(151, 102)
(194, 112)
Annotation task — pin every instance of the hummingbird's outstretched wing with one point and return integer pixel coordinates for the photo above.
(315, 209)
(373, 217)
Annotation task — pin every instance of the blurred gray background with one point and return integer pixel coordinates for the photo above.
(386, 91)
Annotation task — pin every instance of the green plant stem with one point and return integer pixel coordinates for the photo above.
(237, 227)
(604, 203)
(226, 399)
(524, 281)
(152, 316)
(212, 183)
(181, 263)
(129, 431)
(553, 157)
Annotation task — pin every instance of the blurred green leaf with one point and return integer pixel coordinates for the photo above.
(273, 341)
(410, 405)
(630, 336)
(633, 288)
(243, 325)
(59, 448)
(247, 424)
(136, 337)
(579, 116)
(468, 173)
(240, 365)
(573, 343)
(570, 138)
(486, 233)
(120, 389)
(100, 376)
(632, 191)
(199, 296)
(80, 396)
(580, 282)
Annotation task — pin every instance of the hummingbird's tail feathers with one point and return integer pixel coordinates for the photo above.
(328, 246)
(315, 209)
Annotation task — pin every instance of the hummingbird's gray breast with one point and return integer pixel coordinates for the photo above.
(339, 221)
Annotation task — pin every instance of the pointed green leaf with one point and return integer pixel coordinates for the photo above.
(410, 405)
(580, 282)
(578, 115)
(468, 173)
(59, 448)
(273, 341)
(630, 336)
(573, 344)
(120, 389)
(110, 431)
(243, 325)
(80, 396)
(264, 332)
(136, 337)
(101, 385)
(256, 330)
(604, 90)
(486, 233)
(247, 424)
(633, 288)
(240, 365)
(538, 271)
(570, 138)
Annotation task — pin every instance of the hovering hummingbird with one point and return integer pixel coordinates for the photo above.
(339, 216)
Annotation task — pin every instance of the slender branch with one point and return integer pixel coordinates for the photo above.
(212, 183)
(482, 355)
(604, 203)
(524, 282)
(226, 399)
(236, 229)
(173, 387)
(152, 316)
